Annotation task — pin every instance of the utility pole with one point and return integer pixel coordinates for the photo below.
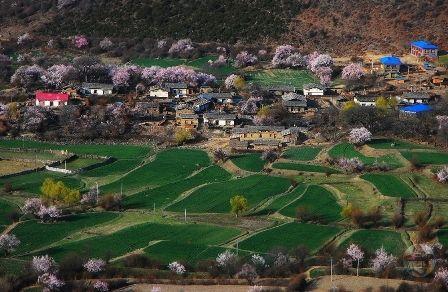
(154, 207)
(185, 215)
(237, 248)
(97, 191)
(121, 189)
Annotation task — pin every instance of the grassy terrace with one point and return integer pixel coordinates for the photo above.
(347, 150)
(250, 162)
(305, 153)
(390, 185)
(214, 198)
(291, 235)
(305, 167)
(175, 179)
(317, 201)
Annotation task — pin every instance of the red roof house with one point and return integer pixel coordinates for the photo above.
(51, 99)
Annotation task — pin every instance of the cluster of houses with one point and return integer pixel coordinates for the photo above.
(205, 107)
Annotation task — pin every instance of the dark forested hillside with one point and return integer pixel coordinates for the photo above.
(334, 25)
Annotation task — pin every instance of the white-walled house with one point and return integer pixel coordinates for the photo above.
(313, 89)
(365, 100)
(97, 89)
(415, 97)
(159, 92)
(219, 120)
(49, 99)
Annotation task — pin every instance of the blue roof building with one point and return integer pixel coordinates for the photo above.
(415, 109)
(390, 66)
(425, 45)
(390, 61)
(424, 49)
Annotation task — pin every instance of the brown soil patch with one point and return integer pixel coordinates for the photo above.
(353, 283)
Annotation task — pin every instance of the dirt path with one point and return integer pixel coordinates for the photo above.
(9, 228)
(185, 288)
(353, 283)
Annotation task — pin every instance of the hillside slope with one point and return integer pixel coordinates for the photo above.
(338, 26)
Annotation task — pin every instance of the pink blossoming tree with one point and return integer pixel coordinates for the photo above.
(245, 59)
(356, 254)
(287, 56)
(359, 136)
(80, 42)
(353, 71)
(95, 266)
(442, 175)
(383, 262)
(59, 75)
(8, 243)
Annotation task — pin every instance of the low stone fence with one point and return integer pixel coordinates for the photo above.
(60, 170)
(22, 172)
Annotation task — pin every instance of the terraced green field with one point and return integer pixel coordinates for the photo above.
(215, 198)
(291, 235)
(394, 144)
(371, 240)
(304, 153)
(32, 182)
(166, 194)
(390, 185)
(168, 166)
(250, 162)
(305, 167)
(35, 235)
(319, 202)
(81, 163)
(283, 200)
(169, 251)
(5, 209)
(273, 77)
(347, 150)
(140, 236)
(426, 157)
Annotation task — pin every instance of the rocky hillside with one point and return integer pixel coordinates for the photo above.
(338, 26)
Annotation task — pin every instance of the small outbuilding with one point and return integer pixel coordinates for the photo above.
(313, 89)
(96, 88)
(50, 99)
(219, 120)
(415, 97)
(390, 66)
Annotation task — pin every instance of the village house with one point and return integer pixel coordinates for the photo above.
(415, 97)
(50, 99)
(96, 89)
(201, 105)
(179, 89)
(280, 90)
(219, 120)
(424, 49)
(294, 103)
(312, 89)
(368, 100)
(187, 120)
(144, 109)
(390, 66)
(158, 92)
(263, 137)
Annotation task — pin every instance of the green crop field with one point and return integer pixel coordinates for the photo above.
(175, 179)
(274, 77)
(319, 202)
(305, 167)
(170, 165)
(165, 194)
(250, 162)
(426, 157)
(305, 153)
(390, 185)
(215, 198)
(139, 236)
(35, 235)
(394, 144)
(169, 251)
(5, 209)
(32, 182)
(347, 150)
(371, 240)
(283, 200)
(291, 235)
(81, 163)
